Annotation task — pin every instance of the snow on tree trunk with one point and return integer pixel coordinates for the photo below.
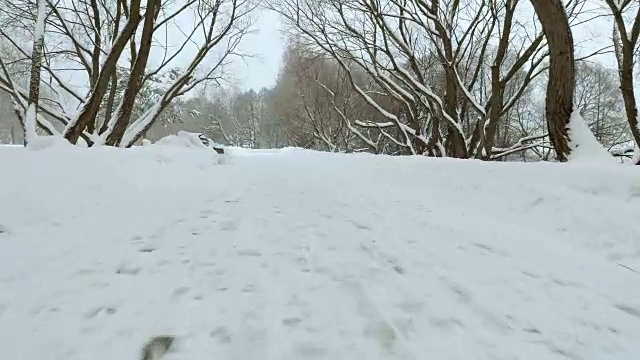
(636, 156)
(583, 145)
(34, 85)
(30, 134)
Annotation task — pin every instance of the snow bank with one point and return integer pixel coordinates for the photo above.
(101, 165)
(584, 145)
(181, 139)
(47, 142)
(239, 151)
(307, 255)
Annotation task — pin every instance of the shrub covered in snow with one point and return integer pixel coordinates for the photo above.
(189, 140)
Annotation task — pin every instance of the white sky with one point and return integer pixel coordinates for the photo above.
(267, 44)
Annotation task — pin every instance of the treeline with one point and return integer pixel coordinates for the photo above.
(313, 105)
(460, 78)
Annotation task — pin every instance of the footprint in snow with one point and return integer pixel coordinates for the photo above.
(249, 252)
(411, 307)
(182, 290)
(249, 288)
(530, 274)
(360, 225)
(532, 330)
(446, 324)
(128, 270)
(490, 250)
(483, 247)
(291, 322)
(462, 294)
(309, 350)
(229, 226)
(100, 310)
(137, 239)
(221, 334)
(82, 272)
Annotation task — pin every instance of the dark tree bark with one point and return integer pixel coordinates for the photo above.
(559, 101)
(137, 73)
(90, 109)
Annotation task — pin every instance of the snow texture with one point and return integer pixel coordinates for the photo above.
(182, 139)
(292, 254)
(30, 123)
(38, 34)
(584, 145)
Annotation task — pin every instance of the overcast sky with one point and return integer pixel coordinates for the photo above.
(268, 45)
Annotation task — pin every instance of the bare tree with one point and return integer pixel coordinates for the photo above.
(601, 104)
(431, 58)
(625, 39)
(98, 37)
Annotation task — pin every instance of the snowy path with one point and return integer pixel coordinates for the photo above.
(313, 256)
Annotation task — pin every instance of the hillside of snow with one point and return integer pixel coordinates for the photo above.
(292, 255)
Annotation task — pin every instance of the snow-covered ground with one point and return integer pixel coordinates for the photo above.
(302, 255)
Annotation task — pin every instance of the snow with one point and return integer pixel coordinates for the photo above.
(182, 139)
(294, 254)
(584, 145)
(38, 33)
(46, 142)
(30, 122)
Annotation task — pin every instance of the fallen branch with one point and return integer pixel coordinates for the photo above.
(520, 145)
(626, 152)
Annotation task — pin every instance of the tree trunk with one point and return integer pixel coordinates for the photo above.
(489, 128)
(30, 119)
(559, 101)
(136, 77)
(457, 146)
(92, 106)
(628, 94)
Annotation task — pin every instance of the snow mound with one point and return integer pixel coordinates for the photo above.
(240, 151)
(584, 145)
(48, 142)
(307, 255)
(181, 139)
